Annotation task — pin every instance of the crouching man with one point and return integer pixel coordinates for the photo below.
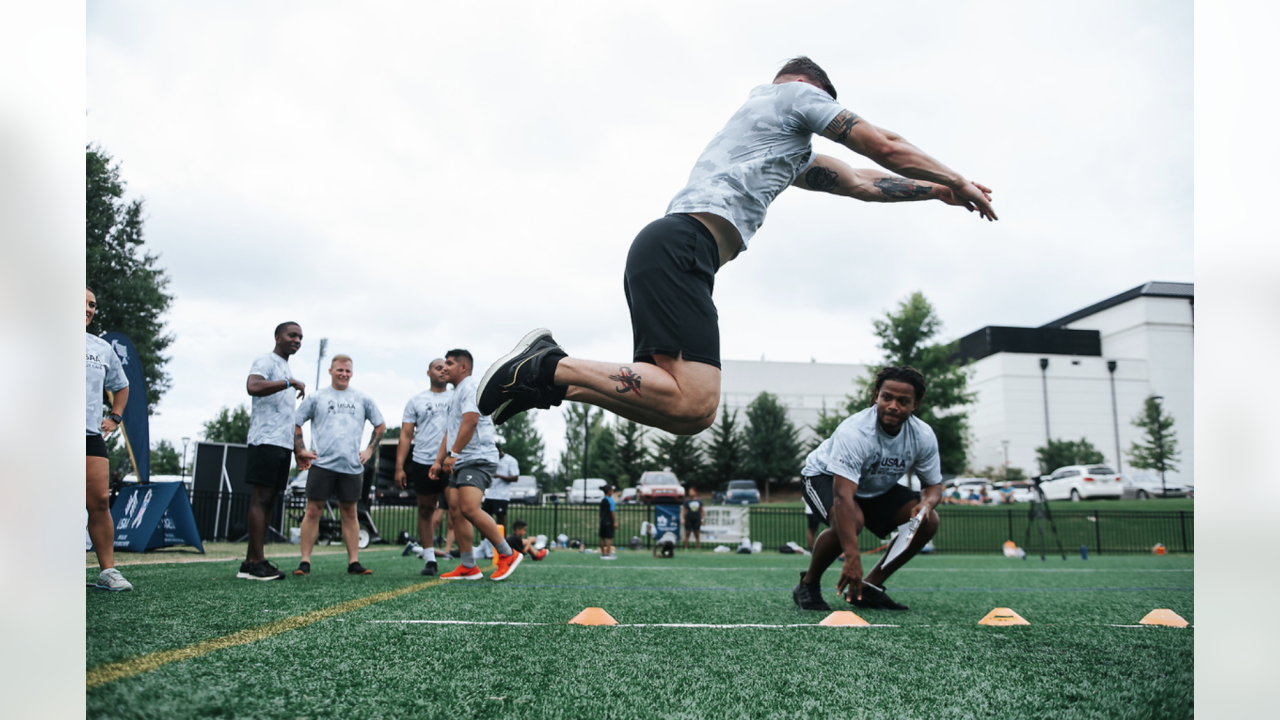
(851, 482)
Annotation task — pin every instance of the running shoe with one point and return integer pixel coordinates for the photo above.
(304, 568)
(261, 570)
(111, 579)
(506, 565)
(356, 568)
(463, 573)
(875, 598)
(410, 548)
(517, 381)
(430, 568)
(808, 597)
(539, 554)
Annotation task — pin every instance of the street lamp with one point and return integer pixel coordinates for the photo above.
(1164, 491)
(1044, 381)
(1115, 413)
(185, 441)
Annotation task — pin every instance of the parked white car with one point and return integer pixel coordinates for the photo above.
(525, 490)
(1145, 487)
(593, 493)
(1081, 482)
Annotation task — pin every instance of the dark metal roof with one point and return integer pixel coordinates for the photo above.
(1151, 289)
(1039, 341)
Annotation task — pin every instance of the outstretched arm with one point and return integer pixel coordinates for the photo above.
(892, 151)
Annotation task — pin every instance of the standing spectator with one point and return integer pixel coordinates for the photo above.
(337, 414)
(422, 429)
(274, 390)
(498, 497)
(608, 523)
(692, 518)
(102, 371)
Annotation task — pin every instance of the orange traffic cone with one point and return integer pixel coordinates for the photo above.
(593, 616)
(844, 618)
(1003, 616)
(1163, 616)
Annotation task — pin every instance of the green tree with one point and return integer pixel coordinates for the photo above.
(393, 432)
(773, 452)
(230, 426)
(725, 451)
(904, 337)
(130, 287)
(118, 455)
(602, 451)
(165, 459)
(1158, 449)
(1057, 453)
(681, 454)
(827, 423)
(524, 443)
(634, 456)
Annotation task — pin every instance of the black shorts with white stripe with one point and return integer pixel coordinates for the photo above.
(877, 512)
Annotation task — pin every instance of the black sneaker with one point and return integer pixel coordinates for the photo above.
(304, 568)
(430, 568)
(516, 382)
(808, 597)
(261, 570)
(356, 568)
(455, 554)
(875, 598)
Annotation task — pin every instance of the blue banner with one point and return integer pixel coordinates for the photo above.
(667, 519)
(137, 423)
(152, 516)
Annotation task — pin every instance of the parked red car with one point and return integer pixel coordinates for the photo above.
(658, 486)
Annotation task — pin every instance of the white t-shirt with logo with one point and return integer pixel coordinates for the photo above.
(481, 449)
(429, 412)
(500, 489)
(761, 150)
(860, 451)
(102, 371)
(337, 425)
(271, 416)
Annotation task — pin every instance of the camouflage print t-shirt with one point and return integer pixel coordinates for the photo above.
(337, 424)
(428, 412)
(271, 418)
(763, 149)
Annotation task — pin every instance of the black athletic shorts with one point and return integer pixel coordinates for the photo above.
(670, 275)
(419, 476)
(95, 446)
(267, 465)
(494, 506)
(323, 484)
(877, 512)
(693, 524)
(606, 531)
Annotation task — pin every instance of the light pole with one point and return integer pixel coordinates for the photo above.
(185, 441)
(1044, 381)
(1115, 413)
(1005, 443)
(1164, 491)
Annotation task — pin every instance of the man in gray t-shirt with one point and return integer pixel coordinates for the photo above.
(422, 429)
(336, 466)
(851, 482)
(274, 389)
(673, 381)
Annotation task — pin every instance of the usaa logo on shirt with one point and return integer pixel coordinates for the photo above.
(341, 407)
(892, 463)
(93, 360)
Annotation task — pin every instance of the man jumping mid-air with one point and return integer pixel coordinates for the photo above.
(673, 382)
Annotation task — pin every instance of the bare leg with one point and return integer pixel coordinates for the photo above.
(825, 551)
(673, 394)
(350, 530)
(259, 507)
(311, 527)
(98, 502)
(469, 499)
(462, 531)
(426, 529)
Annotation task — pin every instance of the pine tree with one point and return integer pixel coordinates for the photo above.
(1158, 449)
(634, 457)
(725, 451)
(230, 426)
(773, 452)
(523, 442)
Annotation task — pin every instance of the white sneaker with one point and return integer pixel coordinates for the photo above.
(111, 579)
(609, 557)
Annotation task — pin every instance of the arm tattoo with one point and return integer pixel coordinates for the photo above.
(820, 178)
(377, 438)
(298, 444)
(839, 128)
(895, 188)
(629, 381)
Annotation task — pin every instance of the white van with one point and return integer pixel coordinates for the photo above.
(594, 490)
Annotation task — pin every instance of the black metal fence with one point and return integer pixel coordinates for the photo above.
(962, 530)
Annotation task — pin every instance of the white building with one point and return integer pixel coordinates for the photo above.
(1085, 375)
(805, 389)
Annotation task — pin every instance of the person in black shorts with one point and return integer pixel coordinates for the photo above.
(274, 390)
(673, 381)
(608, 523)
(103, 372)
(421, 431)
(692, 520)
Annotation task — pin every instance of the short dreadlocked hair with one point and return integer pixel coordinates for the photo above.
(904, 373)
(804, 66)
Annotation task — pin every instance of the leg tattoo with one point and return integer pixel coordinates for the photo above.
(629, 381)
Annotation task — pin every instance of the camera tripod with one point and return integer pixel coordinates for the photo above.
(1037, 514)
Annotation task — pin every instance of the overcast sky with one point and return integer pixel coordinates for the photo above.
(407, 178)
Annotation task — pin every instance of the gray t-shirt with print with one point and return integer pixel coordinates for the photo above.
(428, 411)
(860, 451)
(481, 449)
(271, 418)
(337, 424)
(102, 371)
(761, 150)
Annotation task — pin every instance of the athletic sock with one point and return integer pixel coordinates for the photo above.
(468, 559)
(503, 549)
(549, 363)
(428, 554)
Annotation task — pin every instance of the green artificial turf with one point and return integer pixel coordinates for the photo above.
(370, 663)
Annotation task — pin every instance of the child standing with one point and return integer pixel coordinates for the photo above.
(608, 523)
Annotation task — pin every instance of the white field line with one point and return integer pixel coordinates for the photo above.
(671, 625)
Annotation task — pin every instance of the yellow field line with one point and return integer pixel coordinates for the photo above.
(111, 672)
